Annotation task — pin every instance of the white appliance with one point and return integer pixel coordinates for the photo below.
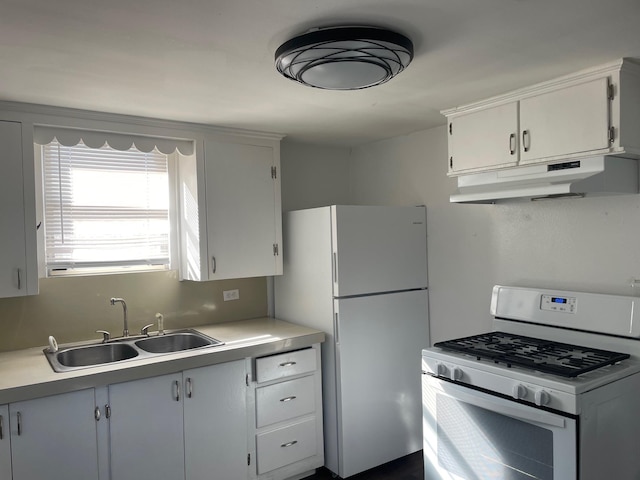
(359, 273)
(592, 176)
(551, 393)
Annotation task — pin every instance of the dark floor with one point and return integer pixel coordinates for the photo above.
(405, 468)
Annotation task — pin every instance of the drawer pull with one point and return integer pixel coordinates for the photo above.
(288, 364)
(288, 399)
(289, 444)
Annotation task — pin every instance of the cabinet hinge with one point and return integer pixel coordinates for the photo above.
(276, 251)
(248, 459)
(274, 172)
(610, 91)
(612, 134)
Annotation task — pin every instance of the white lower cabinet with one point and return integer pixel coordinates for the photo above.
(5, 443)
(189, 425)
(53, 437)
(288, 414)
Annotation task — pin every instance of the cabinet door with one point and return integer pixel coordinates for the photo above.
(484, 139)
(566, 121)
(243, 210)
(5, 445)
(215, 422)
(13, 253)
(146, 429)
(54, 437)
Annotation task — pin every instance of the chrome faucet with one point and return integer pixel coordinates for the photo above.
(125, 332)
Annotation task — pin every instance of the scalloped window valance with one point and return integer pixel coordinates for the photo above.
(69, 137)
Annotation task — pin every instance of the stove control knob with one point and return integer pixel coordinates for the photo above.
(441, 369)
(456, 374)
(519, 391)
(542, 398)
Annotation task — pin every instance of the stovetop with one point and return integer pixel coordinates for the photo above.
(546, 356)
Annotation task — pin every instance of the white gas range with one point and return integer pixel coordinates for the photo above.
(553, 392)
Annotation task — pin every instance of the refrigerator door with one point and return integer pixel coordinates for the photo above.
(378, 249)
(379, 340)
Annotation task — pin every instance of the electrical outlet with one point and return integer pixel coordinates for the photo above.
(231, 295)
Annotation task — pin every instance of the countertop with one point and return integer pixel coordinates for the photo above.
(26, 374)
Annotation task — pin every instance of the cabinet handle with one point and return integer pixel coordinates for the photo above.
(107, 411)
(1, 427)
(189, 388)
(177, 385)
(19, 417)
(288, 399)
(289, 444)
(96, 414)
(526, 144)
(213, 264)
(287, 364)
(19, 279)
(512, 144)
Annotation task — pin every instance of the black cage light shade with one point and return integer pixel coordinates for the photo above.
(344, 58)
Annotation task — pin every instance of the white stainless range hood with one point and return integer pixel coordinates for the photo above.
(592, 176)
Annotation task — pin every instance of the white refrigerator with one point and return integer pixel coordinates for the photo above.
(359, 273)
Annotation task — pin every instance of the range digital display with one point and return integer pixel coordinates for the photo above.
(558, 300)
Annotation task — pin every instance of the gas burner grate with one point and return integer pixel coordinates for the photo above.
(543, 355)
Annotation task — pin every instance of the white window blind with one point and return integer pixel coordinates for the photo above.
(104, 208)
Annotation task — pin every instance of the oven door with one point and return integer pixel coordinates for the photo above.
(473, 435)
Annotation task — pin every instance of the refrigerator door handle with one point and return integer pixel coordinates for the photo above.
(337, 329)
(335, 267)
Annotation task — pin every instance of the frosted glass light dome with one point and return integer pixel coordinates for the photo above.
(344, 58)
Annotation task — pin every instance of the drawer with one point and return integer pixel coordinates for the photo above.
(285, 365)
(286, 445)
(285, 400)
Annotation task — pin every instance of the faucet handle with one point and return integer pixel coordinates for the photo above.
(106, 336)
(145, 329)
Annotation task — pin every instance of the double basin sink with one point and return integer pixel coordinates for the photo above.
(127, 348)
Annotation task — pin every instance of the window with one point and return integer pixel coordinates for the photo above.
(105, 210)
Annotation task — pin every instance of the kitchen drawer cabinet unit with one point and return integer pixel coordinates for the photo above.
(230, 210)
(5, 443)
(593, 112)
(54, 437)
(18, 269)
(185, 425)
(288, 414)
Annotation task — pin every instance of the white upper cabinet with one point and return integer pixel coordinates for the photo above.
(230, 210)
(492, 132)
(564, 122)
(18, 271)
(593, 112)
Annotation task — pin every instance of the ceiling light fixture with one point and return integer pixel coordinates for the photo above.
(344, 58)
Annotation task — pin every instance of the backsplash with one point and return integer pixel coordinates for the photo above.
(72, 309)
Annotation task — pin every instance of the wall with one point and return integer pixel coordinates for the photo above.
(72, 309)
(313, 175)
(586, 244)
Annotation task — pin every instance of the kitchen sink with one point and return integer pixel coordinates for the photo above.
(95, 354)
(116, 350)
(175, 342)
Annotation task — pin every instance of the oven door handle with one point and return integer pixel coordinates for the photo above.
(504, 407)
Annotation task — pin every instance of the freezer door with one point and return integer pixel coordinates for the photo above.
(379, 340)
(378, 249)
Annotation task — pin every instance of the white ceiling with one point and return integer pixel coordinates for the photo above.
(211, 61)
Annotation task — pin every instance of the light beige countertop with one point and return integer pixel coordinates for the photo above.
(26, 374)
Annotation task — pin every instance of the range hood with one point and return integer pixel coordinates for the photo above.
(591, 176)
